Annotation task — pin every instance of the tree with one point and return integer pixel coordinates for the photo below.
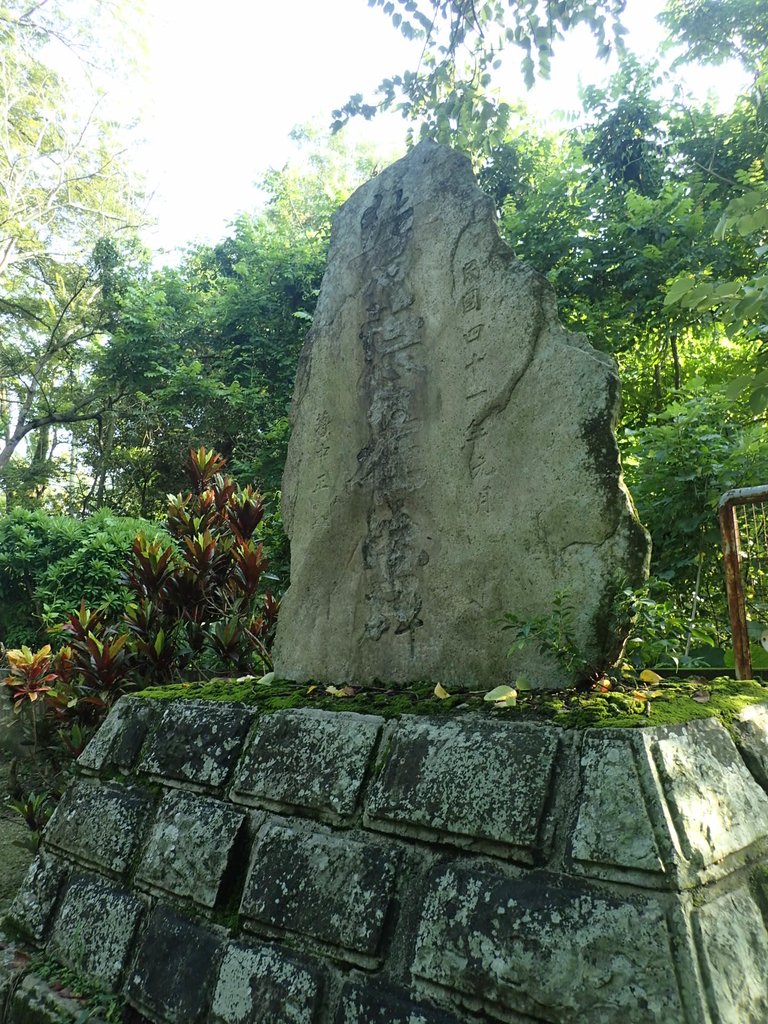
(449, 93)
(712, 31)
(63, 186)
(212, 345)
(612, 210)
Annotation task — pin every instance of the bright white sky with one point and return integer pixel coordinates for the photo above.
(226, 83)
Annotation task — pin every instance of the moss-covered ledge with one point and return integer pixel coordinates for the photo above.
(670, 702)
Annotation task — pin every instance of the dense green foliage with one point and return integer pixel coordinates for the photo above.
(186, 602)
(208, 349)
(63, 192)
(49, 563)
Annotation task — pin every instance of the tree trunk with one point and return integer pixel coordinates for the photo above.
(676, 363)
(107, 443)
(657, 387)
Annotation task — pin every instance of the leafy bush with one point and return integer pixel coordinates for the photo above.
(660, 636)
(677, 467)
(187, 603)
(663, 635)
(49, 563)
(197, 605)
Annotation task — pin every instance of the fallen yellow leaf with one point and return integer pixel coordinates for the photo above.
(507, 701)
(345, 691)
(501, 694)
(440, 692)
(649, 676)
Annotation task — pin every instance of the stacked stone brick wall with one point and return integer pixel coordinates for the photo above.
(311, 867)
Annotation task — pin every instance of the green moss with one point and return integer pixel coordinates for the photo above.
(671, 702)
(211, 689)
(282, 694)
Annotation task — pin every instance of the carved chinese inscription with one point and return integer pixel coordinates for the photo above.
(452, 455)
(390, 335)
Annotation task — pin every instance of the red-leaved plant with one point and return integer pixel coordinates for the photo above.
(196, 610)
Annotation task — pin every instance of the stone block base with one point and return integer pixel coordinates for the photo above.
(317, 868)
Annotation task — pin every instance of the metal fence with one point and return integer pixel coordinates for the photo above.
(744, 529)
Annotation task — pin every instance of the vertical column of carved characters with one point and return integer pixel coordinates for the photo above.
(388, 332)
(402, 334)
(322, 446)
(475, 380)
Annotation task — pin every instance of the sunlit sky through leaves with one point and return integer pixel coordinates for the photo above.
(226, 82)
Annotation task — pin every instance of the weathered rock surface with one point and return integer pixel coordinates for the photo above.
(482, 871)
(452, 455)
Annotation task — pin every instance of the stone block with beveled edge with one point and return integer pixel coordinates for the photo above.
(537, 946)
(32, 908)
(667, 807)
(94, 929)
(264, 983)
(718, 811)
(334, 889)
(197, 742)
(173, 975)
(367, 1003)
(468, 781)
(189, 846)
(750, 730)
(100, 825)
(307, 759)
(119, 740)
(732, 941)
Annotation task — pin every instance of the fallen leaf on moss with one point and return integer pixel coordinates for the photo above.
(502, 696)
(649, 676)
(344, 691)
(440, 692)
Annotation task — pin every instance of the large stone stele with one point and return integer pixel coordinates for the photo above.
(452, 455)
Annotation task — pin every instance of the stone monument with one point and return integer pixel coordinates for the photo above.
(452, 455)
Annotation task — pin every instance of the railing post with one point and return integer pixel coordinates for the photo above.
(729, 529)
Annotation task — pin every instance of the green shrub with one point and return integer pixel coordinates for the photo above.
(677, 466)
(49, 563)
